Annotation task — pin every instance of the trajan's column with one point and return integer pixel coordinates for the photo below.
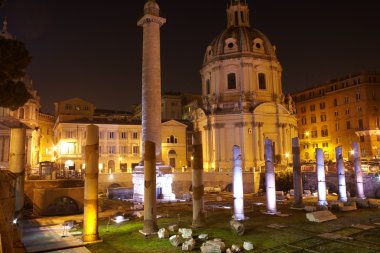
(151, 76)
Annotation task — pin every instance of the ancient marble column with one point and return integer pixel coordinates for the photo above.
(297, 175)
(151, 75)
(17, 164)
(270, 178)
(237, 184)
(358, 172)
(150, 211)
(90, 214)
(341, 174)
(321, 177)
(198, 187)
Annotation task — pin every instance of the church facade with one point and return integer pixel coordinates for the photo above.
(243, 103)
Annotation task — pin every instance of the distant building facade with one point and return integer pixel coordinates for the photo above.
(338, 113)
(243, 103)
(120, 141)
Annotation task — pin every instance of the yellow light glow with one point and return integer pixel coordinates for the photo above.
(100, 166)
(352, 152)
(192, 158)
(120, 159)
(55, 148)
(307, 134)
(287, 155)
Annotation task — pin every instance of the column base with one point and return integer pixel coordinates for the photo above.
(91, 238)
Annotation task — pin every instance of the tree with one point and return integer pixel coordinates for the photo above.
(14, 59)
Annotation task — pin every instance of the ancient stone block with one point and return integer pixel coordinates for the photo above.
(188, 245)
(163, 233)
(248, 246)
(175, 240)
(186, 232)
(237, 227)
(320, 216)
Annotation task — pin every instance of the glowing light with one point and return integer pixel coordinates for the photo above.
(15, 221)
(287, 155)
(192, 158)
(100, 166)
(120, 159)
(83, 166)
(352, 152)
(55, 148)
(307, 134)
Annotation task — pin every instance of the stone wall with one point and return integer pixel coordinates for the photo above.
(58, 201)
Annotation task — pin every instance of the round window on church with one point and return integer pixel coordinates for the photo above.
(250, 130)
(258, 45)
(230, 45)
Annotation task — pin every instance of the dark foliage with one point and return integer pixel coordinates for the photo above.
(14, 59)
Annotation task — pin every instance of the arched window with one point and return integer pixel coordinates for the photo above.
(231, 81)
(208, 88)
(172, 139)
(236, 18)
(262, 81)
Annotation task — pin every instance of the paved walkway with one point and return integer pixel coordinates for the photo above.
(47, 234)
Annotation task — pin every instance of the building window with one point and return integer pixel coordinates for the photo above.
(111, 150)
(361, 137)
(335, 102)
(312, 108)
(123, 135)
(303, 109)
(314, 133)
(67, 148)
(123, 149)
(111, 135)
(357, 96)
(313, 119)
(347, 112)
(135, 135)
(360, 124)
(325, 144)
(324, 131)
(171, 139)
(373, 95)
(323, 117)
(322, 105)
(336, 126)
(68, 107)
(231, 81)
(262, 81)
(377, 122)
(336, 113)
(337, 140)
(304, 121)
(70, 134)
(208, 88)
(348, 125)
(359, 108)
(101, 135)
(136, 150)
(346, 100)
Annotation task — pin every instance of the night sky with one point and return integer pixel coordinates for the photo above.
(92, 49)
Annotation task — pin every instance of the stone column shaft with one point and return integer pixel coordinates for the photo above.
(321, 177)
(197, 178)
(297, 174)
(90, 215)
(150, 211)
(341, 174)
(238, 191)
(151, 76)
(358, 172)
(270, 178)
(17, 164)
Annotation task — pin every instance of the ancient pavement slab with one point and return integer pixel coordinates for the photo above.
(73, 250)
(276, 226)
(37, 239)
(320, 216)
(330, 236)
(363, 227)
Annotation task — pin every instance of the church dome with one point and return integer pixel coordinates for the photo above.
(239, 38)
